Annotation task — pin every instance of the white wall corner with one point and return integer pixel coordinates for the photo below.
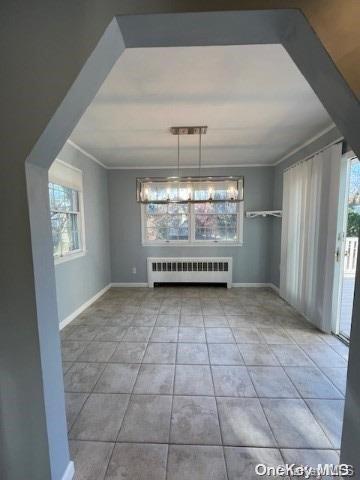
(83, 307)
(69, 472)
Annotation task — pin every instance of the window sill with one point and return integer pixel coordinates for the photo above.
(200, 244)
(70, 256)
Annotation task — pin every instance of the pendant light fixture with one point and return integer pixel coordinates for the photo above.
(199, 189)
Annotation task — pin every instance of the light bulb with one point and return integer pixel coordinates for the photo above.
(189, 193)
(168, 193)
(211, 191)
(183, 194)
(146, 193)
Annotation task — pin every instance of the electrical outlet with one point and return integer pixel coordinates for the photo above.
(134, 270)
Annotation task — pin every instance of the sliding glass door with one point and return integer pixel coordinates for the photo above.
(349, 247)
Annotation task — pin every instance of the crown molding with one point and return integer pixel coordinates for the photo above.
(87, 154)
(167, 167)
(186, 167)
(305, 144)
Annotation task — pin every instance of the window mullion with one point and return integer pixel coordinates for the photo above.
(192, 223)
(72, 212)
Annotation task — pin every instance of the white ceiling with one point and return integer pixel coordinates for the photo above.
(257, 105)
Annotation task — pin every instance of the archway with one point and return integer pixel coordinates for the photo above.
(287, 27)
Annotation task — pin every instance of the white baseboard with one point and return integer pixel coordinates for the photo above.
(275, 288)
(235, 285)
(69, 472)
(257, 285)
(83, 307)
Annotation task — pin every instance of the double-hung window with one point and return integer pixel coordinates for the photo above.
(192, 223)
(66, 212)
(166, 222)
(216, 222)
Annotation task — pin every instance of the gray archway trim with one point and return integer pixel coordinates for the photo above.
(288, 27)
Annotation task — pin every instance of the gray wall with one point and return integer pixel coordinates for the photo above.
(79, 279)
(257, 261)
(250, 261)
(313, 147)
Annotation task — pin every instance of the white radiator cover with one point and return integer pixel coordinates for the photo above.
(189, 270)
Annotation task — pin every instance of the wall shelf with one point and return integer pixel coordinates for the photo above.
(264, 213)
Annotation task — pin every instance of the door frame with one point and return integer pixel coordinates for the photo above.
(344, 184)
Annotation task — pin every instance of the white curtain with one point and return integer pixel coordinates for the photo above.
(307, 253)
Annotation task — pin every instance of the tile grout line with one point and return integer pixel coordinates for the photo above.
(77, 415)
(209, 396)
(321, 427)
(333, 449)
(171, 409)
(328, 377)
(217, 411)
(202, 300)
(263, 411)
(319, 368)
(87, 398)
(123, 419)
(315, 398)
(298, 344)
(105, 364)
(261, 406)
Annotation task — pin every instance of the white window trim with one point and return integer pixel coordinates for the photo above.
(81, 252)
(69, 256)
(191, 242)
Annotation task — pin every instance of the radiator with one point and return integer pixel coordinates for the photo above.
(189, 270)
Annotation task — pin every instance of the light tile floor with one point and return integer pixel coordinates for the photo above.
(198, 384)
